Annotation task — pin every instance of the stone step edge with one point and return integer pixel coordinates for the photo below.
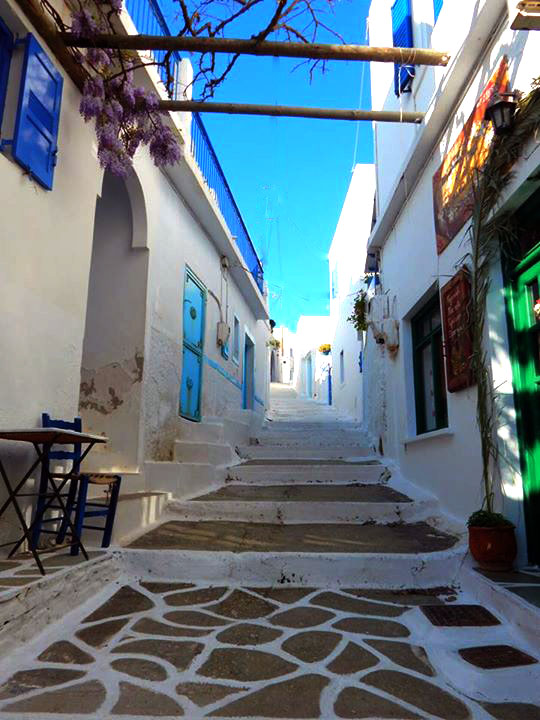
(369, 570)
(297, 512)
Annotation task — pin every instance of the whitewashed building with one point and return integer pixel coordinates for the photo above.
(418, 410)
(117, 296)
(313, 370)
(346, 261)
(282, 361)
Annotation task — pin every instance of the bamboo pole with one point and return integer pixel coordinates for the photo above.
(314, 51)
(287, 111)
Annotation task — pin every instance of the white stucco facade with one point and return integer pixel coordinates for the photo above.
(92, 289)
(446, 461)
(346, 261)
(312, 368)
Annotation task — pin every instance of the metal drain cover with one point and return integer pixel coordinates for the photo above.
(458, 615)
(491, 657)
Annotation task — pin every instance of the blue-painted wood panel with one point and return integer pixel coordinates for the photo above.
(38, 114)
(194, 298)
(402, 34)
(193, 344)
(190, 393)
(6, 50)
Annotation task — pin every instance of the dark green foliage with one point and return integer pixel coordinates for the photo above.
(483, 518)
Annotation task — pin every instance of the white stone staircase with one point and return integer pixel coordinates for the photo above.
(308, 503)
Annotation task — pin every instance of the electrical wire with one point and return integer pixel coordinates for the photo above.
(362, 75)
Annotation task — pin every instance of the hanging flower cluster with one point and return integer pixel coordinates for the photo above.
(126, 116)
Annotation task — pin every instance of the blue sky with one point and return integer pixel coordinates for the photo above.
(289, 176)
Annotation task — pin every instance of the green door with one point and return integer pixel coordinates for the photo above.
(523, 293)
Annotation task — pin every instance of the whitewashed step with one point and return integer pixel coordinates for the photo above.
(298, 569)
(203, 452)
(306, 474)
(299, 512)
(305, 452)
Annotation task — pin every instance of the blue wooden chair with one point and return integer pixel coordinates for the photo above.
(77, 496)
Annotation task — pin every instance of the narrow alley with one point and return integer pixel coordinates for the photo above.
(313, 583)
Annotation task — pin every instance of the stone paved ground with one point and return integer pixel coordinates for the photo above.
(22, 569)
(155, 648)
(160, 649)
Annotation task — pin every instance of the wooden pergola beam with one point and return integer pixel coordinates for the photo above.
(312, 51)
(287, 111)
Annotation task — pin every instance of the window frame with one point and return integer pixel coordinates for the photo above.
(402, 36)
(7, 42)
(434, 340)
(236, 341)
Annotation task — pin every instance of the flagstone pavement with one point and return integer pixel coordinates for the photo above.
(160, 649)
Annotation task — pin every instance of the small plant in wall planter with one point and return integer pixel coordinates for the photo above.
(358, 317)
(325, 348)
(273, 343)
(492, 540)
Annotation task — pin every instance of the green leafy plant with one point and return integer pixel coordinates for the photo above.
(358, 317)
(492, 233)
(483, 518)
(273, 343)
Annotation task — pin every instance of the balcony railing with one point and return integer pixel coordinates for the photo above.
(148, 19)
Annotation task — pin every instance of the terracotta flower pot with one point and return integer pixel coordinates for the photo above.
(493, 548)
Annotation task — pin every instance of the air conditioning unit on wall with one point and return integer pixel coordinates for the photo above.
(524, 15)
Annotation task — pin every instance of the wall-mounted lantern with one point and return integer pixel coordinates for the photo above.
(501, 111)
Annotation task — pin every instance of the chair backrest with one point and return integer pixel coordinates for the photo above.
(73, 455)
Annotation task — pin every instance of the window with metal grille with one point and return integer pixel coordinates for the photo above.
(402, 34)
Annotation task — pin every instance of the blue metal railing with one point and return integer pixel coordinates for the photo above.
(206, 158)
(149, 20)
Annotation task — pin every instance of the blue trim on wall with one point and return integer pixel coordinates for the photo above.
(216, 366)
(258, 400)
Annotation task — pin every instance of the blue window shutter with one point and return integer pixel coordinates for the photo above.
(437, 7)
(6, 49)
(402, 33)
(38, 114)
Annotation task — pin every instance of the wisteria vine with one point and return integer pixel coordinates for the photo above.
(126, 115)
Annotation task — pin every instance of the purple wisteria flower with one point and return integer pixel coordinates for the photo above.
(163, 147)
(99, 58)
(126, 116)
(83, 23)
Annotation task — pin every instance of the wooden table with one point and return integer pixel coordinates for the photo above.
(46, 438)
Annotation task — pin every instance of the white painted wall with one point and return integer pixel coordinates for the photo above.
(46, 241)
(99, 298)
(113, 348)
(311, 332)
(347, 258)
(448, 463)
(284, 355)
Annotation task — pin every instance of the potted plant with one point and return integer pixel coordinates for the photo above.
(492, 540)
(358, 317)
(325, 348)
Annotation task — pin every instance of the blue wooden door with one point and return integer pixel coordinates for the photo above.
(193, 345)
(309, 376)
(249, 374)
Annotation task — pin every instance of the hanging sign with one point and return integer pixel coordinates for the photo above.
(455, 303)
(453, 196)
